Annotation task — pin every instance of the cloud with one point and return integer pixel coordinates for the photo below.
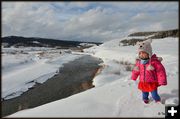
(155, 22)
(95, 24)
(86, 21)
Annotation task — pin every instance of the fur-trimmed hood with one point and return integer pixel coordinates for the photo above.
(154, 57)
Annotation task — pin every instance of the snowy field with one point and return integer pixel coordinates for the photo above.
(115, 94)
(22, 68)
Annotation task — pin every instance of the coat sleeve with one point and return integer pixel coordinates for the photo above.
(161, 74)
(135, 71)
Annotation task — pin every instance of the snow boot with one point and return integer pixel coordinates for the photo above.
(158, 101)
(146, 101)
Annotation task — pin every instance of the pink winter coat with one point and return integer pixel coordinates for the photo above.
(153, 71)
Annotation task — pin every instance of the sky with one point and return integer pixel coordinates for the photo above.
(86, 21)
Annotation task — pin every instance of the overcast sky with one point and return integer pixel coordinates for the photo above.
(86, 21)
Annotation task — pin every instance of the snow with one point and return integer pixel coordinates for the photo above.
(36, 42)
(87, 44)
(115, 94)
(139, 37)
(22, 71)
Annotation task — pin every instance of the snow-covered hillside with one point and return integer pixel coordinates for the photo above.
(115, 94)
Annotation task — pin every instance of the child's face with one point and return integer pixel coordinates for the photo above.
(143, 55)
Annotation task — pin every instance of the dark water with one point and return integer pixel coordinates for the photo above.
(76, 76)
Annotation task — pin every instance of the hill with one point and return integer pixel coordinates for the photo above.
(18, 41)
(140, 36)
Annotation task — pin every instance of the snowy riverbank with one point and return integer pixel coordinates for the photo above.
(67, 82)
(115, 94)
(23, 68)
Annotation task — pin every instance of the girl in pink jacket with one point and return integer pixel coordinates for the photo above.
(151, 72)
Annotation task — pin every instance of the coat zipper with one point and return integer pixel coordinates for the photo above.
(144, 72)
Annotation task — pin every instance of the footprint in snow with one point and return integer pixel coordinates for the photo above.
(117, 108)
(125, 106)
